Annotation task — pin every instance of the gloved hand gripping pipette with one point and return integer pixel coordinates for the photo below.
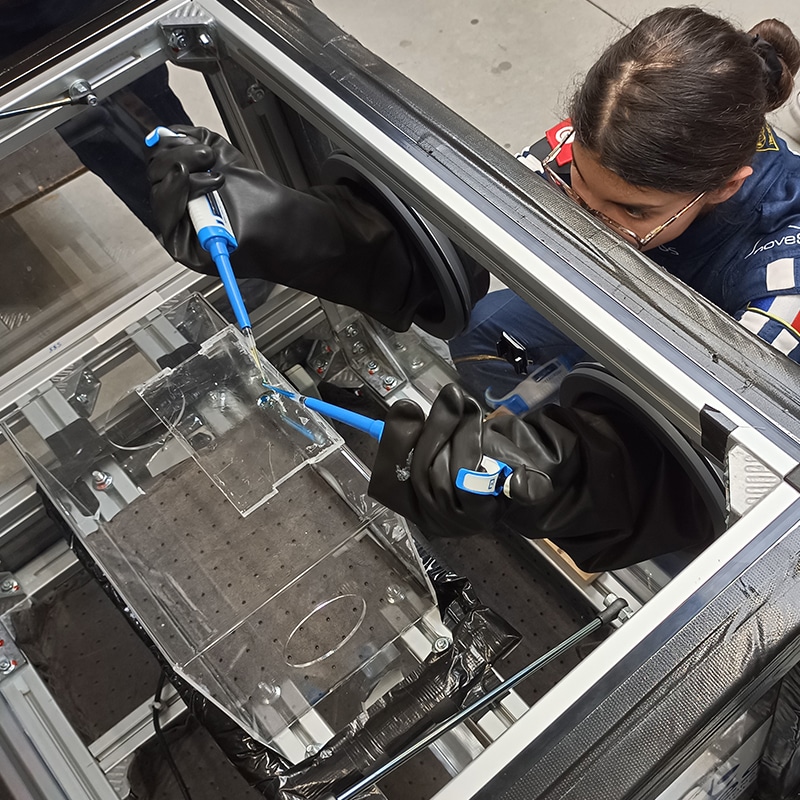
(490, 479)
(215, 234)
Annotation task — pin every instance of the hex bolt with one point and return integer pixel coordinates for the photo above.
(394, 594)
(417, 363)
(312, 749)
(80, 91)
(609, 600)
(351, 331)
(359, 348)
(372, 367)
(255, 93)
(102, 480)
(441, 644)
(6, 665)
(178, 40)
(389, 382)
(8, 585)
(625, 614)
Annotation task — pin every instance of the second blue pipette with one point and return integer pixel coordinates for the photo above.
(490, 479)
(374, 427)
(215, 234)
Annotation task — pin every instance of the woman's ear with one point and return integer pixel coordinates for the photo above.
(731, 186)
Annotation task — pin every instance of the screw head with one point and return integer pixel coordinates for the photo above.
(359, 348)
(389, 382)
(255, 93)
(5, 664)
(394, 594)
(351, 331)
(7, 585)
(417, 363)
(268, 693)
(312, 749)
(441, 644)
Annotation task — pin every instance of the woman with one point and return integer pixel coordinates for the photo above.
(672, 151)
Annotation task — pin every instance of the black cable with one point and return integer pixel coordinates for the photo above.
(163, 739)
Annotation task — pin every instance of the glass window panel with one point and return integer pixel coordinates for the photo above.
(26, 26)
(76, 228)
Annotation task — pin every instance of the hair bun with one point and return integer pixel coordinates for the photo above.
(779, 51)
(772, 61)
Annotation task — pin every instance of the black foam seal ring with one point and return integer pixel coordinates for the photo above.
(434, 248)
(593, 378)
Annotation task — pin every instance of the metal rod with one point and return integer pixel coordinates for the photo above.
(365, 783)
(15, 112)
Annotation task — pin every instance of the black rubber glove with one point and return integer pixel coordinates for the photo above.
(327, 241)
(587, 477)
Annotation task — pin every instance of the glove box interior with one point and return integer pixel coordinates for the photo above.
(330, 575)
(133, 405)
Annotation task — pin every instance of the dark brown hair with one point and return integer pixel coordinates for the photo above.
(678, 103)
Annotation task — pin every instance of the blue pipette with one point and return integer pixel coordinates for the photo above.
(215, 234)
(490, 479)
(373, 427)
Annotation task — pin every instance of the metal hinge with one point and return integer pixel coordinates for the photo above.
(191, 38)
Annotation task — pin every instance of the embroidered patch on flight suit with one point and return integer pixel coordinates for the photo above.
(563, 132)
(766, 140)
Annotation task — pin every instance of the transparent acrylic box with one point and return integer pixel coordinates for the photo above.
(241, 536)
(248, 441)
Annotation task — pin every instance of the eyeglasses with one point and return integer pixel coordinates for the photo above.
(640, 241)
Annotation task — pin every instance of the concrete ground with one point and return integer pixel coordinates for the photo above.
(507, 66)
(510, 66)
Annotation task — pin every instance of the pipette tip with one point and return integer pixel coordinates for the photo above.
(248, 332)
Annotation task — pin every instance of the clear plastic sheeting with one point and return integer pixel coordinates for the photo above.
(290, 618)
(246, 439)
(435, 690)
